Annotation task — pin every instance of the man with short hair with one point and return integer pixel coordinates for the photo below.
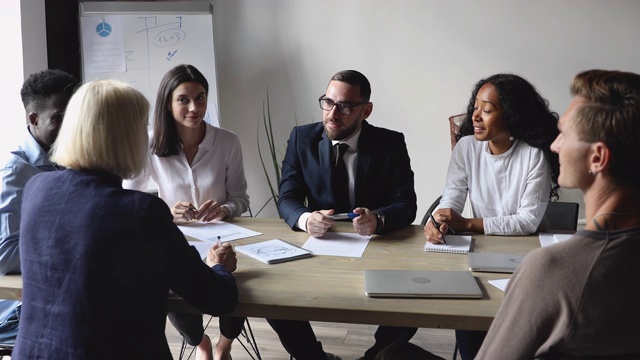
(344, 165)
(588, 309)
(45, 95)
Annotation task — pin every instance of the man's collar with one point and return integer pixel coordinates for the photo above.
(35, 154)
(352, 141)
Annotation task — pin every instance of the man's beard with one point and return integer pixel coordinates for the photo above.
(343, 133)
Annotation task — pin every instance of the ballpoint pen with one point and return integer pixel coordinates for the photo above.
(343, 216)
(192, 209)
(435, 223)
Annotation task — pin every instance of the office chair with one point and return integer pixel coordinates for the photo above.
(251, 346)
(433, 206)
(455, 121)
(454, 128)
(561, 216)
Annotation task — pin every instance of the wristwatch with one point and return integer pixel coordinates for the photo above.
(380, 219)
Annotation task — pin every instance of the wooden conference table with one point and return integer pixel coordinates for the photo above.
(331, 288)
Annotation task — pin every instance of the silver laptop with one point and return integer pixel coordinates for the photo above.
(420, 284)
(492, 262)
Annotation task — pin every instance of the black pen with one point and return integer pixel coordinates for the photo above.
(435, 223)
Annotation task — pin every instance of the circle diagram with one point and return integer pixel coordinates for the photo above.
(103, 29)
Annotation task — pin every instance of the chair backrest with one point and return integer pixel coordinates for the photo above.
(247, 213)
(454, 127)
(561, 216)
(433, 206)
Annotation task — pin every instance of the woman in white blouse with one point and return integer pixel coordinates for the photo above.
(199, 173)
(506, 167)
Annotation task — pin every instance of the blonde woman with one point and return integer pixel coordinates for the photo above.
(98, 260)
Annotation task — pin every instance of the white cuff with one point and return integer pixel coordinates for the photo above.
(302, 221)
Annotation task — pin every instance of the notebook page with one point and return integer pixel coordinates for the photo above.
(458, 244)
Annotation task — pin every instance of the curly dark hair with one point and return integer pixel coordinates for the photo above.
(40, 86)
(525, 113)
(165, 133)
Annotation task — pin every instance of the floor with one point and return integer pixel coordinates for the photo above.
(348, 341)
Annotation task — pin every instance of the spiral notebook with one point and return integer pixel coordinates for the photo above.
(457, 244)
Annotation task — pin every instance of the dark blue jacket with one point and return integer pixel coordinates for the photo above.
(97, 265)
(383, 182)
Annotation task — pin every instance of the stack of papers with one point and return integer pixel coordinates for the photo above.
(207, 234)
(216, 230)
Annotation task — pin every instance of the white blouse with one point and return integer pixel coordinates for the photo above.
(510, 191)
(216, 173)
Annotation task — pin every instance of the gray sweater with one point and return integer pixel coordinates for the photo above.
(578, 297)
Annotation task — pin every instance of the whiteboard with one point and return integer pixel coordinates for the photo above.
(138, 42)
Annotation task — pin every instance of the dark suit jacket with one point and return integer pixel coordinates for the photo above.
(383, 183)
(97, 265)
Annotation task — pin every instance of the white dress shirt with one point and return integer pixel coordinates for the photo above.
(510, 191)
(216, 173)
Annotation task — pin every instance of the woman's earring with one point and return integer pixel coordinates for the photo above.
(511, 138)
(591, 172)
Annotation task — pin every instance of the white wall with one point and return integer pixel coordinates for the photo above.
(22, 22)
(422, 58)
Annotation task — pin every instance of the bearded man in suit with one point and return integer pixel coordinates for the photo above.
(370, 176)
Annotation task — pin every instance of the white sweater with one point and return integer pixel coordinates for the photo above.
(509, 191)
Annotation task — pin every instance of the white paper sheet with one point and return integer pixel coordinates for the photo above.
(547, 239)
(212, 231)
(202, 247)
(500, 283)
(562, 237)
(103, 44)
(338, 244)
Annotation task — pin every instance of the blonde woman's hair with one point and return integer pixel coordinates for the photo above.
(104, 128)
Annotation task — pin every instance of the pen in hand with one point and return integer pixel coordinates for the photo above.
(343, 216)
(435, 223)
(193, 210)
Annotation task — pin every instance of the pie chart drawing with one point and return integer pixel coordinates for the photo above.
(103, 29)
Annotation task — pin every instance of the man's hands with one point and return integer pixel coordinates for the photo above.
(319, 222)
(367, 223)
(208, 211)
(223, 255)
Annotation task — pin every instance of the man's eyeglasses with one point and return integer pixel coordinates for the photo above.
(344, 108)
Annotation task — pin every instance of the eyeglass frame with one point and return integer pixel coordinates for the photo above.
(342, 107)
